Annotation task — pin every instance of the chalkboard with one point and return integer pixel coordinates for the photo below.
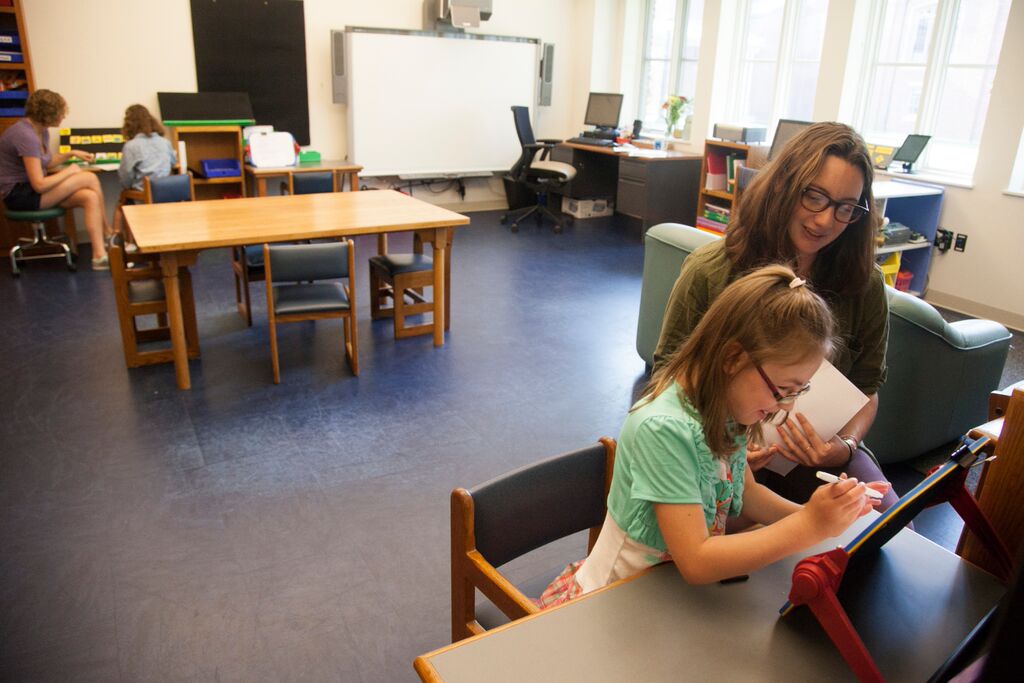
(258, 47)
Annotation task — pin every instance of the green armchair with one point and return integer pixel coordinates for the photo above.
(940, 374)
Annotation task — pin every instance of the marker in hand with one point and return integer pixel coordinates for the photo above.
(832, 479)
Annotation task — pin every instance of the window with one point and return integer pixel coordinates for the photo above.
(931, 73)
(1017, 175)
(671, 43)
(779, 52)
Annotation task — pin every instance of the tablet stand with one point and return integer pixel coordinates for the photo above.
(816, 579)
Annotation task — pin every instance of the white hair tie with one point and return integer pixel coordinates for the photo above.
(797, 282)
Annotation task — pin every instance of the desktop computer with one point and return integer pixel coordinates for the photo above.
(603, 109)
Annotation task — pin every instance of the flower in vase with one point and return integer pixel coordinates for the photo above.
(674, 107)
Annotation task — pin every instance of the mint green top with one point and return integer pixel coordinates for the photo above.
(662, 457)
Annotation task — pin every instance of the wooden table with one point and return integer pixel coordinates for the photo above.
(912, 604)
(178, 232)
(260, 175)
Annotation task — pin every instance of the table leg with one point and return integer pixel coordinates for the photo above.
(261, 186)
(440, 241)
(353, 181)
(175, 319)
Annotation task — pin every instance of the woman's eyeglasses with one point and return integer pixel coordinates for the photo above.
(780, 398)
(817, 201)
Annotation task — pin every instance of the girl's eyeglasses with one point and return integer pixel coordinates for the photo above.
(817, 201)
(782, 400)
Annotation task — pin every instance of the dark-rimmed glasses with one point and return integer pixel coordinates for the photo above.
(816, 201)
(780, 398)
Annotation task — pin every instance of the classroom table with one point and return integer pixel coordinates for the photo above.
(178, 232)
(259, 175)
(912, 604)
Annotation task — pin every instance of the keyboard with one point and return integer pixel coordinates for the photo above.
(596, 142)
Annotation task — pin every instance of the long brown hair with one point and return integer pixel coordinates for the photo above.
(137, 119)
(759, 232)
(760, 314)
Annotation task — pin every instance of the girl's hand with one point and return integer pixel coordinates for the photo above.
(759, 456)
(834, 507)
(802, 445)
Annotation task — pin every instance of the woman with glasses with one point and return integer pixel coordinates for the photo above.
(811, 208)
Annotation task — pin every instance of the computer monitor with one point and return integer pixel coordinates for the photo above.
(784, 132)
(603, 109)
(910, 150)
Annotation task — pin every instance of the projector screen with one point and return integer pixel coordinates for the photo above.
(424, 103)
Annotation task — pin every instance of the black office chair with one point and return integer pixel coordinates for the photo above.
(536, 172)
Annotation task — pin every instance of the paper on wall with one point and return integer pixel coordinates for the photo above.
(829, 405)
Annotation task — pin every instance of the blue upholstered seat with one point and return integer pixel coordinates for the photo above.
(395, 264)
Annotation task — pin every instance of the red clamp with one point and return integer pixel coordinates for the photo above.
(815, 582)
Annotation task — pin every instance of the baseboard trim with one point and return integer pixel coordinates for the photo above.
(482, 205)
(974, 309)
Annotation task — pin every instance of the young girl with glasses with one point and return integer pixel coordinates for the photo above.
(681, 466)
(811, 208)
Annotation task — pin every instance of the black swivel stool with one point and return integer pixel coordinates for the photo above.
(40, 238)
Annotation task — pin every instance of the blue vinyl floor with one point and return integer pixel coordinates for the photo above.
(243, 531)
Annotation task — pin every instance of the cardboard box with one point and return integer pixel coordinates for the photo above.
(587, 208)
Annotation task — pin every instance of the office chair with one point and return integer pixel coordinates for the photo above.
(300, 265)
(40, 239)
(534, 171)
(247, 261)
(514, 514)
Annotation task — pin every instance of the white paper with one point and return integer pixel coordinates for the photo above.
(829, 405)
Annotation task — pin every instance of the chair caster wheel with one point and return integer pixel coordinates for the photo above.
(15, 273)
(72, 267)
(504, 219)
(515, 227)
(558, 229)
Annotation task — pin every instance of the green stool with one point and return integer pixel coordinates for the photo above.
(40, 239)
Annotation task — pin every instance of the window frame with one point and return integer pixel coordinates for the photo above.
(675, 59)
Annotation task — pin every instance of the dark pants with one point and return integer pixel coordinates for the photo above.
(799, 484)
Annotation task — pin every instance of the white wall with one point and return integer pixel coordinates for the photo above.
(103, 55)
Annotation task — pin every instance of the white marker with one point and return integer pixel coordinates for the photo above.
(832, 479)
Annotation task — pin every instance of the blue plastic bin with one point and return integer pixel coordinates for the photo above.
(221, 168)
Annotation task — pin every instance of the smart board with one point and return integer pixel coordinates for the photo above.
(423, 102)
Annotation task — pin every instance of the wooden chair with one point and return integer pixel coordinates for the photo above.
(247, 261)
(400, 276)
(172, 188)
(304, 299)
(139, 291)
(521, 511)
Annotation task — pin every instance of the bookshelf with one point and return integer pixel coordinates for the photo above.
(212, 142)
(717, 191)
(917, 206)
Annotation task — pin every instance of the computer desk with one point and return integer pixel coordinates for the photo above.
(912, 604)
(651, 189)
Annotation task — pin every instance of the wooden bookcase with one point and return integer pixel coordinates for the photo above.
(18, 85)
(212, 142)
(712, 190)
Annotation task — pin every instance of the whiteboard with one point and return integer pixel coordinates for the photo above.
(425, 103)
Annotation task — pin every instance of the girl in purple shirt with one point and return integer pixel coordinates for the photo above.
(32, 179)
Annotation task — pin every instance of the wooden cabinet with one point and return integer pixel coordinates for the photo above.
(212, 142)
(717, 193)
(17, 82)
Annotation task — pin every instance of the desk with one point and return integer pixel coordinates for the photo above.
(652, 189)
(912, 608)
(260, 175)
(178, 232)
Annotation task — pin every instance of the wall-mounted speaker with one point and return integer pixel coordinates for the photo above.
(338, 85)
(547, 74)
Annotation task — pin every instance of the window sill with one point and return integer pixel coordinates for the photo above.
(1014, 193)
(934, 178)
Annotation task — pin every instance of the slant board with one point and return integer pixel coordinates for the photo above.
(423, 102)
(258, 47)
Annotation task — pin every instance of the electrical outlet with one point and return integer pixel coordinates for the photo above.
(943, 239)
(961, 242)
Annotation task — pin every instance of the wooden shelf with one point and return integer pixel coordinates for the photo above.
(211, 142)
(217, 181)
(718, 149)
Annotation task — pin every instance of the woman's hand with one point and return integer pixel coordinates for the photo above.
(758, 456)
(802, 445)
(834, 507)
(87, 157)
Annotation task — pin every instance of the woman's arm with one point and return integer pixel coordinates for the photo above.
(701, 558)
(58, 160)
(39, 180)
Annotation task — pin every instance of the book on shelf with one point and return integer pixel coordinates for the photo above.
(730, 172)
(715, 216)
(717, 208)
(715, 179)
(716, 227)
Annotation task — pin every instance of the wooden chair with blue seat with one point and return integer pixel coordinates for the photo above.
(247, 261)
(514, 514)
(404, 276)
(301, 297)
(40, 240)
(172, 188)
(139, 292)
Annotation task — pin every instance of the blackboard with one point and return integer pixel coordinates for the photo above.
(258, 47)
